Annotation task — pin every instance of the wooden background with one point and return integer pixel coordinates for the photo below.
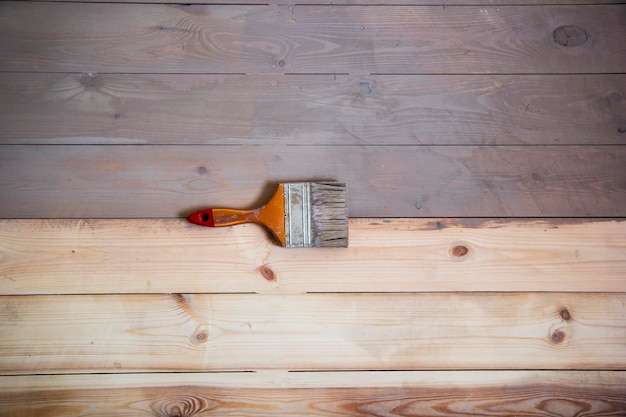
(484, 148)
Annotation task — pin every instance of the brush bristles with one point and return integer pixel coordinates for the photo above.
(329, 214)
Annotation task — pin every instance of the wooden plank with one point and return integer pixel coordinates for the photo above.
(94, 37)
(183, 332)
(143, 256)
(383, 181)
(440, 3)
(312, 109)
(268, 394)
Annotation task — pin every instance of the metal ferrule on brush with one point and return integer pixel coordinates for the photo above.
(316, 214)
(298, 233)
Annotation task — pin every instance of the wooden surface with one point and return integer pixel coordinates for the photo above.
(312, 109)
(491, 393)
(192, 332)
(385, 255)
(484, 150)
(383, 181)
(440, 3)
(311, 39)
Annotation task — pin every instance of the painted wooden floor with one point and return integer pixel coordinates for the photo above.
(484, 148)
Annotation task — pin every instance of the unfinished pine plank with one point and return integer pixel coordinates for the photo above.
(182, 332)
(312, 109)
(440, 3)
(383, 181)
(268, 394)
(94, 37)
(385, 255)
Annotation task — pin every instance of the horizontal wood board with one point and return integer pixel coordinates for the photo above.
(440, 3)
(179, 109)
(384, 255)
(383, 181)
(185, 332)
(266, 393)
(136, 38)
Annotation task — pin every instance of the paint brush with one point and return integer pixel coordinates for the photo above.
(299, 214)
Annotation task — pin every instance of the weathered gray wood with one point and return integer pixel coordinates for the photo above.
(386, 255)
(311, 109)
(93, 37)
(319, 394)
(179, 332)
(383, 181)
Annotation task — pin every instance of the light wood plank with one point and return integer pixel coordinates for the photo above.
(312, 109)
(440, 3)
(94, 37)
(268, 394)
(178, 332)
(383, 181)
(385, 255)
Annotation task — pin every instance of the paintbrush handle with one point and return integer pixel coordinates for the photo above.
(224, 217)
(272, 215)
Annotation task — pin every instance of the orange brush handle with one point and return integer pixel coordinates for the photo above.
(230, 217)
(272, 215)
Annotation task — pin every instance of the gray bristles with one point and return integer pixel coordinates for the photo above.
(329, 214)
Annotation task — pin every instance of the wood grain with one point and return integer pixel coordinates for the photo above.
(383, 181)
(440, 3)
(141, 113)
(268, 394)
(184, 332)
(385, 255)
(312, 109)
(136, 38)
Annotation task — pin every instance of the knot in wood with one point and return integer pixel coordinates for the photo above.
(565, 314)
(90, 79)
(182, 405)
(459, 251)
(570, 36)
(267, 273)
(201, 336)
(558, 336)
(365, 87)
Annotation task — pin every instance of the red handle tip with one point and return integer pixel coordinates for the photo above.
(202, 218)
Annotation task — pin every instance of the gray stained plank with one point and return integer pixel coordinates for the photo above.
(92, 37)
(320, 394)
(312, 109)
(383, 181)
